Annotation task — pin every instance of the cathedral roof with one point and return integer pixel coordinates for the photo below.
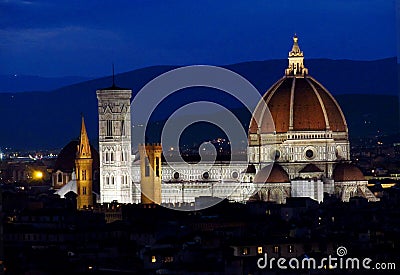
(298, 102)
(272, 173)
(347, 172)
(251, 169)
(310, 168)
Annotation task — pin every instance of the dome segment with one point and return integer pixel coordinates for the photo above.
(347, 172)
(273, 173)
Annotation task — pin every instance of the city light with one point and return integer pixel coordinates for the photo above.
(38, 175)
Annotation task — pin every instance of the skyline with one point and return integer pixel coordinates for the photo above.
(58, 38)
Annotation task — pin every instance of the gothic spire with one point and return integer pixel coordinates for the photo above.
(84, 146)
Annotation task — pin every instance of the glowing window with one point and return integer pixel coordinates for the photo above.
(259, 250)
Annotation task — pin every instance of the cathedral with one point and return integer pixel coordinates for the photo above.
(304, 152)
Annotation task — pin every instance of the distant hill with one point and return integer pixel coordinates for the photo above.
(366, 90)
(28, 83)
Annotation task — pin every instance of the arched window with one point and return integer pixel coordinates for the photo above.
(83, 174)
(112, 179)
(123, 127)
(59, 177)
(109, 128)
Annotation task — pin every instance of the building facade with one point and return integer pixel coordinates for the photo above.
(294, 155)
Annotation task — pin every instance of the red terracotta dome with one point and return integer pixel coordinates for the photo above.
(274, 174)
(297, 102)
(347, 172)
(300, 104)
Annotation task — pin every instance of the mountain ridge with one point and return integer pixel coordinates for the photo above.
(51, 119)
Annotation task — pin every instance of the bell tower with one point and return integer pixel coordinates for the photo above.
(115, 144)
(83, 166)
(150, 173)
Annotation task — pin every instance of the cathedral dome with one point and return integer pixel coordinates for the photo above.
(276, 174)
(66, 158)
(347, 172)
(298, 102)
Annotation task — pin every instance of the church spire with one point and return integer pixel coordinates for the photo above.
(84, 146)
(296, 60)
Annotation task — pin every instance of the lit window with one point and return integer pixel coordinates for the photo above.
(290, 248)
(153, 259)
(245, 251)
(276, 249)
(259, 250)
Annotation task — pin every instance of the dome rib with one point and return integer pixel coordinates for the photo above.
(260, 110)
(291, 104)
(321, 104)
(336, 123)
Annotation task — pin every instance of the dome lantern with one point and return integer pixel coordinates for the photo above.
(296, 60)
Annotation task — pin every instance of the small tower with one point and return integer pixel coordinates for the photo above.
(150, 173)
(296, 60)
(115, 144)
(83, 167)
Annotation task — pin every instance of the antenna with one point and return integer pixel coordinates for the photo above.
(113, 76)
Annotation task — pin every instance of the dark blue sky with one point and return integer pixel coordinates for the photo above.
(58, 38)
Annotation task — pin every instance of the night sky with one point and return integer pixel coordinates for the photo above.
(83, 38)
